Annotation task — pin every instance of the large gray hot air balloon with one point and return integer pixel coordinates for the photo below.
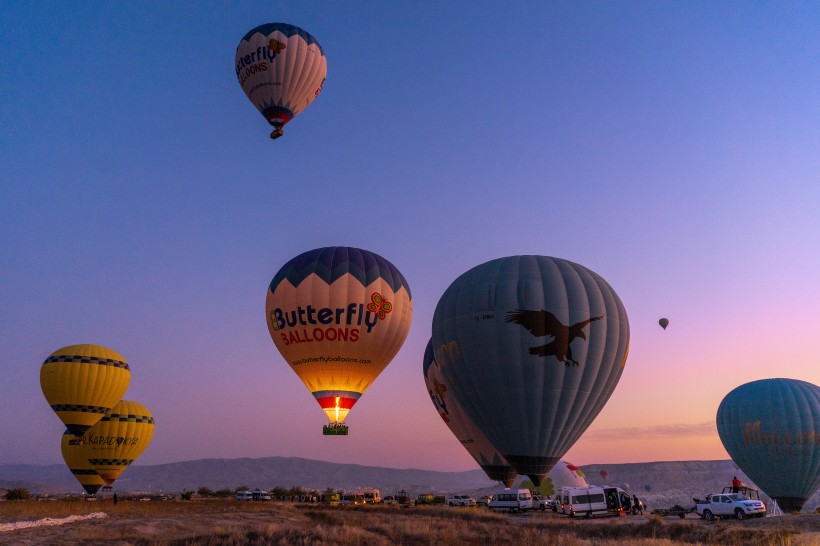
(532, 348)
(771, 429)
(473, 440)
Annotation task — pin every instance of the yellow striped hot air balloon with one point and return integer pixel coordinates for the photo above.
(118, 439)
(83, 382)
(75, 456)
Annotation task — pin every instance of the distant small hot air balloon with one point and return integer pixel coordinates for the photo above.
(532, 347)
(75, 455)
(604, 474)
(771, 429)
(664, 322)
(118, 439)
(338, 316)
(83, 382)
(468, 435)
(281, 69)
(647, 487)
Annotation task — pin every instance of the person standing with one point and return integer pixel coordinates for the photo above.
(735, 485)
(115, 499)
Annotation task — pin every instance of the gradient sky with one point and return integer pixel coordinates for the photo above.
(672, 147)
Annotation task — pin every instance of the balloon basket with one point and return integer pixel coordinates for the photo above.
(335, 429)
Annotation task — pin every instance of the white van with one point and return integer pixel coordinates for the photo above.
(514, 500)
(244, 495)
(594, 500)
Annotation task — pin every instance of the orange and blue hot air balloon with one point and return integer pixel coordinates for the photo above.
(338, 316)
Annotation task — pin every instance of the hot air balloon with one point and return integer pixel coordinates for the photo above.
(473, 440)
(771, 428)
(82, 382)
(76, 459)
(604, 474)
(338, 316)
(563, 474)
(531, 347)
(647, 488)
(664, 322)
(281, 69)
(118, 439)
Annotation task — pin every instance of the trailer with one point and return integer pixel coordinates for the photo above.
(676, 510)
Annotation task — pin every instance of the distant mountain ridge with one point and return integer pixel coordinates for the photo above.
(669, 482)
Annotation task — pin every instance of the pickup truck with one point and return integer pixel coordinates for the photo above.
(735, 505)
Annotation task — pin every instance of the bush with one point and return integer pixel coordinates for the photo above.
(17, 494)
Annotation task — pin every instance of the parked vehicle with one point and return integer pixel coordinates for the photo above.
(540, 502)
(483, 501)
(729, 505)
(513, 500)
(389, 499)
(402, 498)
(372, 496)
(260, 495)
(244, 495)
(594, 500)
(352, 499)
(460, 500)
(430, 499)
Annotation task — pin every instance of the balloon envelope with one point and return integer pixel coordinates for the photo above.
(532, 348)
(83, 382)
(664, 322)
(75, 455)
(473, 440)
(281, 69)
(118, 439)
(771, 428)
(647, 488)
(338, 316)
(563, 474)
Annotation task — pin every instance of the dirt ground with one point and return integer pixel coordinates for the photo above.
(177, 522)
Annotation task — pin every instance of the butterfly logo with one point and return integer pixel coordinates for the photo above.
(379, 305)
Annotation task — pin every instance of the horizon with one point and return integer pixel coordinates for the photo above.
(670, 148)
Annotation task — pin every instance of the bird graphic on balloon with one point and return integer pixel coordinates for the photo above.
(543, 323)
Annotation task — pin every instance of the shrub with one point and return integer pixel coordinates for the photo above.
(17, 494)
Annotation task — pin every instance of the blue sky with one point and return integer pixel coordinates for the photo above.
(670, 147)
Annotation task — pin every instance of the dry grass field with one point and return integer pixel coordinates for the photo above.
(209, 522)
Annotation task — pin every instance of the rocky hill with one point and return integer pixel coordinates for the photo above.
(660, 484)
